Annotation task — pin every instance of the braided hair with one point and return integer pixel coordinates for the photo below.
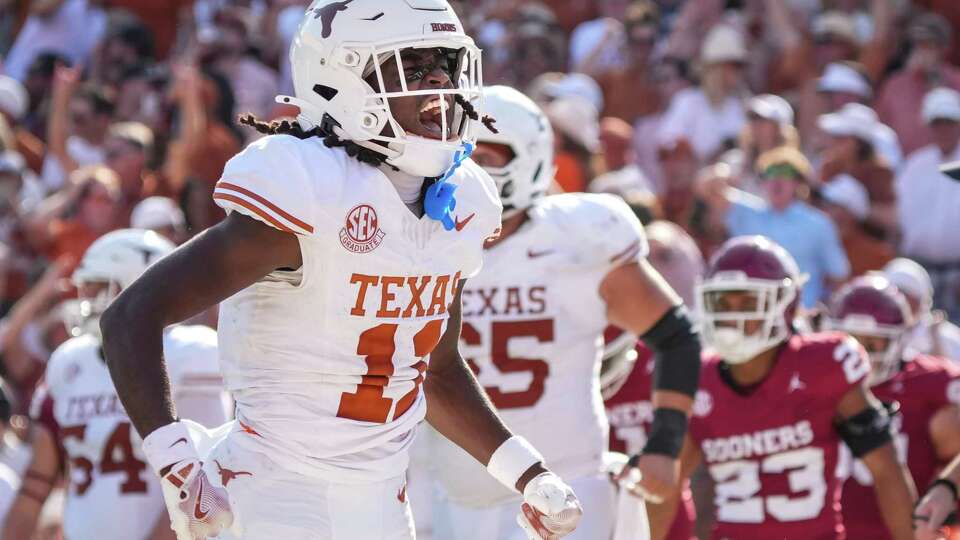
(331, 140)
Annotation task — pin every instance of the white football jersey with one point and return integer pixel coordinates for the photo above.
(113, 493)
(326, 362)
(533, 324)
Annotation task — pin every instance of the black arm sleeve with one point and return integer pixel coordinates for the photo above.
(676, 346)
(869, 429)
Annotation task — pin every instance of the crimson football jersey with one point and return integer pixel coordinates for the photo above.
(772, 451)
(630, 413)
(922, 387)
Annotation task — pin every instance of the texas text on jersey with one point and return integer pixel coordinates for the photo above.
(772, 451)
(109, 477)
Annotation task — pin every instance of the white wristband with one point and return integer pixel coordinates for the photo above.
(511, 459)
(168, 445)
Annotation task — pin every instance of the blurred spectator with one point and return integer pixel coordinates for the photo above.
(599, 43)
(77, 126)
(629, 87)
(205, 139)
(161, 215)
(928, 201)
(127, 151)
(537, 45)
(900, 97)
(71, 28)
(843, 83)
(621, 175)
(577, 135)
(769, 125)
(161, 18)
(39, 85)
(554, 85)
(784, 216)
(14, 106)
(847, 203)
(670, 76)
(66, 223)
(675, 255)
(932, 332)
(851, 149)
(14, 452)
(710, 116)
(225, 48)
(127, 46)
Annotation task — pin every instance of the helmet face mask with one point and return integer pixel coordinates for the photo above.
(742, 317)
(94, 296)
(344, 83)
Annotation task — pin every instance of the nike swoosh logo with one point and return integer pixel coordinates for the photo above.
(178, 441)
(461, 224)
(537, 254)
(196, 510)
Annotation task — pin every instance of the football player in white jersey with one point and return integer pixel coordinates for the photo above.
(339, 267)
(564, 267)
(80, 425)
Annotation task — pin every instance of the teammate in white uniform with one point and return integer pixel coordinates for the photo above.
(80, 424)
(564, 267)
(339, 269)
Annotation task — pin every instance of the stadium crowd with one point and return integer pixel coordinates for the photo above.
(819, 123)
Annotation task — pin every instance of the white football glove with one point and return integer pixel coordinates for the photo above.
(550, 509)
(198, 509)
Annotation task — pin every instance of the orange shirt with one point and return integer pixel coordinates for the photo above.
(570, 174)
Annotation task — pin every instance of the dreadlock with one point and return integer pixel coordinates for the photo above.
(471, 113)
(330, 139)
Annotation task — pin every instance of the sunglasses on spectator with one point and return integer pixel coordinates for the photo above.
(779, 171)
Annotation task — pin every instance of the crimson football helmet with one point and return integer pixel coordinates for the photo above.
(872, 306)
(766, 281)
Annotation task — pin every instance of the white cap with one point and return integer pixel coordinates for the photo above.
(941, 103)
(912, 279)
(13, 97)
(839, 77)
(844, 190)
(576, 118)
(851, 120)
(155, 213)
(771, 107)
(575, 84)
(723, 44)
(836, 23)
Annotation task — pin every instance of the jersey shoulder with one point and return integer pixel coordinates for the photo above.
(601, 228)
(68, 359)
(477, 193)
(282, 181)
(192, 355)
(833, 362)
(933, 378)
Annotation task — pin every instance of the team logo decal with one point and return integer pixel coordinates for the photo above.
(362, 233)
(327, 13)
(443, 27)
(702, 403)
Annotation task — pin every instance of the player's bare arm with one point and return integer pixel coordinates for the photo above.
(661, 515)
(937, 503)
(864, 430)
(639, 299)
(234, 254)
(945, 432)
(38, 482)
(458, 407)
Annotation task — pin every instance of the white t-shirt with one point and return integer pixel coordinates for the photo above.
(73, 31)
(692, 117)
(928, 203)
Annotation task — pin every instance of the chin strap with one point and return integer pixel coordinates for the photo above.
(439, 202)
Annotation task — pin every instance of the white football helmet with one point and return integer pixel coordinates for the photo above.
(342, 43)
(110, 265)
(525, 129)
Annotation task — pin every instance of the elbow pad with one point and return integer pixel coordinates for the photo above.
(676, 347)
(869, 429)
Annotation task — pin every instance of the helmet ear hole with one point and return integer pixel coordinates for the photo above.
(326, 92)
(349, 58)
